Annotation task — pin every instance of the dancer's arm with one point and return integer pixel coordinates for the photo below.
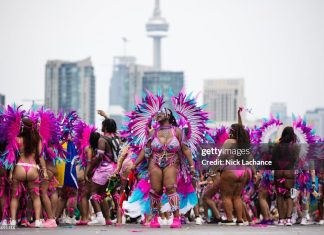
(239, 115)
(121, 158)
(42, 161)
(144, 151)
(186, 151)
(87, 170)
(139, 159)
(102, 113)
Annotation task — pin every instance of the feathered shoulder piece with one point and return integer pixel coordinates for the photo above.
(196, 118)
(305, 136)
(67, 124)
(10, 129)
(50, 133)
(220, 134)
(82, 132)
(267, 132)
(138, 122)
(305, 133)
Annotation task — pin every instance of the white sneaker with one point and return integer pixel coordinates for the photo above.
(199, 220)
(170, 221)
(13, 222)
(246, 223)
(288, 222)
(321, 222)
(163, 221)
(281, 222)
(98, 221)
(73, 220)
(4, 222)
(38, 224)
(123, 219)
(303, 221)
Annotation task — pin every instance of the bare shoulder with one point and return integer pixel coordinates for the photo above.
(230, 141)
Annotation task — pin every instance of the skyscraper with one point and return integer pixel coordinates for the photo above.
(316, 119)
(2, 100)
(71, 86)
(279, 108)
(223, 98)
(157, 28)
(126, 82)
(164, 80)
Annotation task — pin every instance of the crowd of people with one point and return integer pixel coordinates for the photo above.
(56, 169)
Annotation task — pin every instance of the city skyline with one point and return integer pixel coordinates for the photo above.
(276, 46)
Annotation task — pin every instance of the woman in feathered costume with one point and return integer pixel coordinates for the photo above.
(234, 178)
(101, 170)
(219, 135)
(262, 136)
(23, 158)
(306, 179)
(164, 147)
(82, 143)
(67, 175)
(4, 184)
(50, 134)
(285, 155)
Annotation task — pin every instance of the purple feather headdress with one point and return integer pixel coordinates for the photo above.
(10, 129)
(220, 134)
(50, 133)
(82, 132)
(195, 117)
(67, 124)
(268, 128)
(138, 121)
(304, 132)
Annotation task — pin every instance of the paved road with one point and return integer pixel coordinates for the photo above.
(185, 230)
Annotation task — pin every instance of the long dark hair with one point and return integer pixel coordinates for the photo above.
(94, 138)
(288, 135)
(241, 136)
(31, 138)
(109, 125)
(172, 119)
(286, 152)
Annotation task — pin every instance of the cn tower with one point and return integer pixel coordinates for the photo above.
(157, 28)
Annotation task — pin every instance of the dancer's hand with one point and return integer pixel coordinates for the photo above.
(240, 109)
(102, 113)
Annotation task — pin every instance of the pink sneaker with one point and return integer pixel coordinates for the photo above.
(108, 222)
(176, 223)
(50, 223)
(81, 223)
(155, 222)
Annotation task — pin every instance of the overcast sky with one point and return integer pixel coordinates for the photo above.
(277, 46)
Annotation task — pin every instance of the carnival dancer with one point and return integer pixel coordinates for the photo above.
(219, 135)
(22, 157)
(285, 155)
(67, 175)
(263, 138)
(82, 142)
(101, 170)
(52, 151)
(233, 178)
(164, 147)
(306, 180)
